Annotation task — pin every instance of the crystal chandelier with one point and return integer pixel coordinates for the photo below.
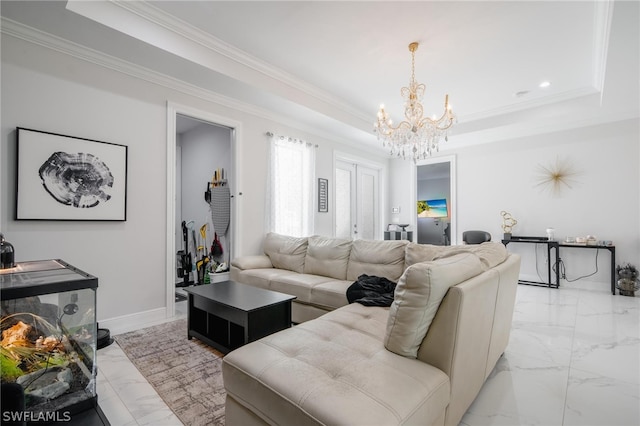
(417, 136)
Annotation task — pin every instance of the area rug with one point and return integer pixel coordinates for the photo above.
(187, 374)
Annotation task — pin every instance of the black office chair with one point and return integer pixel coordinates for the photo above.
(475, 237)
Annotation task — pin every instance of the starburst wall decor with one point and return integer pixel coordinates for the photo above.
(557, 176)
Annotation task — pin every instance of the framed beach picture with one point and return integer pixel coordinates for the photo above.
(432, 208)
(70, 178)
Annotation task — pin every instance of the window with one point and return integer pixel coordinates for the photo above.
(291, 189)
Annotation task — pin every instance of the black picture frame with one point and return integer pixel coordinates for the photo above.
(61, 177)
(323, 195)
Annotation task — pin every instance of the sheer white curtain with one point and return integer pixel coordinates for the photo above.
(290, 186)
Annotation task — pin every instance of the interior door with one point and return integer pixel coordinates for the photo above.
(357, 201)
(345, 205)
(367, 199)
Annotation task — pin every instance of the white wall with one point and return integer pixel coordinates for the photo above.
(54, 95)
(47, 90)
(603, 202)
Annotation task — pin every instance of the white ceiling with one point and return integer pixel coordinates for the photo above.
(329, 64)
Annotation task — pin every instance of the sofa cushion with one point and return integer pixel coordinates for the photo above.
(330, 294)
(327, 256)
(417, 298)
(378, 258)
(335, 370)
(490, 253)
(286, 252)
(316, 290)
(261, 277)
(260, 261)
(416, 253)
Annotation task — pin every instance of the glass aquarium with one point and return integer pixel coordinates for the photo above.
(49, 337)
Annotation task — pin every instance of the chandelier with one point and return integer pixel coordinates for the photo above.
(417, 136)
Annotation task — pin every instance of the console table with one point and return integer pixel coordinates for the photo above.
(556, 245)
(551, 244)
(612, 252)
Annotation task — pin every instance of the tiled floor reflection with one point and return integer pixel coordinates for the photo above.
(124, 395)
(573, 359)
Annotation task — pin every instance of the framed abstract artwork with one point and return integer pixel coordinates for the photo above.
(69, 178)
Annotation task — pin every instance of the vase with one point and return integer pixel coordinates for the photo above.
(628, 286)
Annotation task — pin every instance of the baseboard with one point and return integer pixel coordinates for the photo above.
(135, 321)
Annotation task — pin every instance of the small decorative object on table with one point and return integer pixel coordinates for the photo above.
(7, 254)
(551, 234)
(628, 282)
(508, 222)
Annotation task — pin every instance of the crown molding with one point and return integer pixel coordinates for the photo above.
(192, 39)
(78, 51)
(530, 104)
(516, 131)
(34, 36)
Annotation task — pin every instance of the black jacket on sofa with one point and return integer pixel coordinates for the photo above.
(371, 291)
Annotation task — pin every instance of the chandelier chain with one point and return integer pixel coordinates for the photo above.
(413, 67)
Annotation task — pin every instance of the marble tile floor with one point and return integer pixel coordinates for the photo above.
(124, 395)
(573, 360)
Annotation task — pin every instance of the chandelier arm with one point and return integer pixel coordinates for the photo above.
(387, 129)
(437, 122)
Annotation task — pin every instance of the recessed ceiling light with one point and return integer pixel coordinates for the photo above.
(544, 84)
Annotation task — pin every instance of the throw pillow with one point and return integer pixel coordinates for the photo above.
(417, 298)
(490, 253)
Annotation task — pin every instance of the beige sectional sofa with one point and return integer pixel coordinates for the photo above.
(420, 361)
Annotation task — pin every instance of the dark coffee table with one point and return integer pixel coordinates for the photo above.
(227, 315)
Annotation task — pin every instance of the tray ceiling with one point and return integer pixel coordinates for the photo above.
(329, 64)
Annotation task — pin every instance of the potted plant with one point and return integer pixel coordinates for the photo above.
(628, 282)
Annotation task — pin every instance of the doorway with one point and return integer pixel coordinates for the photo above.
(199, 146)
(357, 200)
(435, 201)
(203, 159)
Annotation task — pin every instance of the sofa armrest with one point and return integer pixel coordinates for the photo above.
(470, 331)
(252, 262)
